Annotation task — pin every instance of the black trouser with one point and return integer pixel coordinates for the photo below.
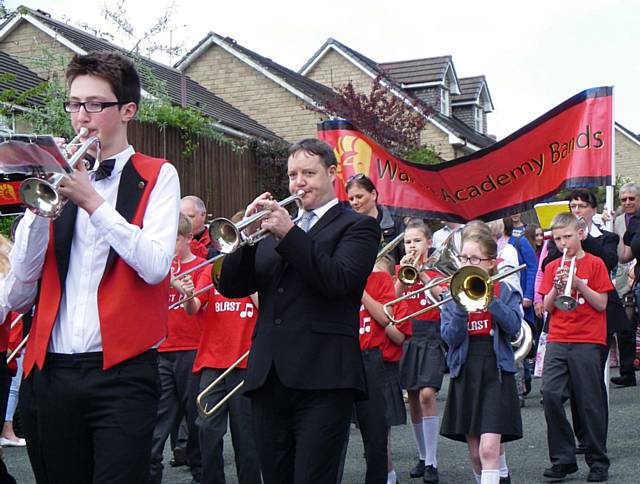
(577, 365)
(299, 433)
(212, 429)
(372, 422)
(88, 425)
(627, 348)
(178, 392)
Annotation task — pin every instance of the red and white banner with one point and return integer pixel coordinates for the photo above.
(569, 146)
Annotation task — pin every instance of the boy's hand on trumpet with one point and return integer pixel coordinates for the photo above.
(184, 285)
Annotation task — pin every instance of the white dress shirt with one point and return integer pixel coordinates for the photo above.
(318, 212)
(148, 250)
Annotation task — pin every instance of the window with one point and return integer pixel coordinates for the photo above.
(478, 119)
(444, 101)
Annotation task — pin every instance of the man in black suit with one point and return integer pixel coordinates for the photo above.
(305, 368)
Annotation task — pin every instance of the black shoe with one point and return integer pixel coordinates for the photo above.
(560, 471)
(624, 381)
(580, 448)
(179, 458)
(418, 470)
(430, 474)
(506, 480)
(598, 475)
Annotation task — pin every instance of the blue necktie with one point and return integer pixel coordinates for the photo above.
(305, 221)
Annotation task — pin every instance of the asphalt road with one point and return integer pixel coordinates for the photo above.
(527, 458)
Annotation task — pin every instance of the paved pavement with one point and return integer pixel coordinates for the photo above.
(527, 457)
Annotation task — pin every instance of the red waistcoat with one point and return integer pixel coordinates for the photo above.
(127, 329)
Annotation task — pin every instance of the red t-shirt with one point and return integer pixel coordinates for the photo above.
(480, 323)
(392, 352)
(227, 326)
(379, 287)
(420, 301)
(584, 324)
(183, 331)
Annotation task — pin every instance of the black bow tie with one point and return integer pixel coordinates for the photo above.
(105, 168)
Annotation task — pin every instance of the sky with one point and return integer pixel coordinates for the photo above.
(534, 54)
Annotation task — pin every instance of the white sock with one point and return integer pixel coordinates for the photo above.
(490, 477)
(504, 470)
(391, 477)
(430, 430)
(477, 477)
(419, 436)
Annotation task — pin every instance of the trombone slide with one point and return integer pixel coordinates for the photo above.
(202, 405)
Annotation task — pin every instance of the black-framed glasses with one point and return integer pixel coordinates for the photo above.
(575, 205)
(473, 260)
(628, 199)
(89, 106)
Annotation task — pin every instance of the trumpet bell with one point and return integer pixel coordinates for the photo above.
(41, 197)
(408, 274)
(471, 288)
(565, 303)
(225, 236)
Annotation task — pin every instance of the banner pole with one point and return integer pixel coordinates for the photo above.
(609, 195)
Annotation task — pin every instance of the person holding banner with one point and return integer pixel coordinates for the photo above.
(422, 364)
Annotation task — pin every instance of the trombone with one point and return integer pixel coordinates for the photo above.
(470, 287)
(226, 236)
(202, 405)
(41, 195)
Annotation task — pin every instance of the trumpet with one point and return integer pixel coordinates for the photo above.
(564, 301)
(41, 195)
(409, 274)
(226, 236)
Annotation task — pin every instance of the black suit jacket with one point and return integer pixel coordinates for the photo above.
(309, 287)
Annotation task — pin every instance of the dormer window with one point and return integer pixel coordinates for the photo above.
(478, 119)
(444, 101)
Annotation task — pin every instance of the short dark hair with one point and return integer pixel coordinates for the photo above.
(316, 147)
(114, 68)
(508, 226)
(584, 195)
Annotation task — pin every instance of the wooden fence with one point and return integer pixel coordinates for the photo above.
(224, 177)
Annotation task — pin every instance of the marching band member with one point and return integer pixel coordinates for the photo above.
(482, 405)
(176, 354)
(305, 369)
(227, 328)
(98, 275)
(573, 357)
(422, 364)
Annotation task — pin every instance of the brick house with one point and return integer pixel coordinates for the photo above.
(15, 81)
(458, 125)
(270, 93)
(627, 153)
(44, 46)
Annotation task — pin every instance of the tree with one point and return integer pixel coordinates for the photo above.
(391, 121)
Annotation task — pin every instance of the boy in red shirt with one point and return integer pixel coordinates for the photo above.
(572, 357)
(227, 326)
(176, 354)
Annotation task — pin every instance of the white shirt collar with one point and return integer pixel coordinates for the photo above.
(320, 211)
